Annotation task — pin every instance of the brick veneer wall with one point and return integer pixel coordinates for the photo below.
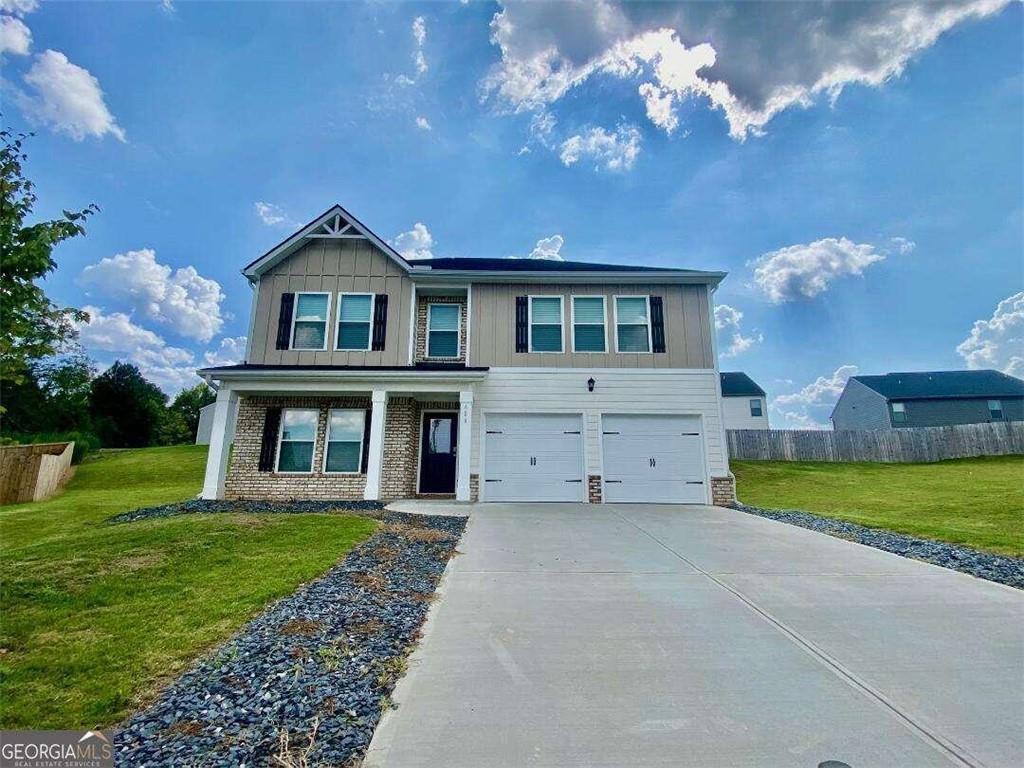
(594, 489)
(401, 451)
(723, 490)
(421, 327)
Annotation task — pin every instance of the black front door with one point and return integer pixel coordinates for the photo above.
(437, 452)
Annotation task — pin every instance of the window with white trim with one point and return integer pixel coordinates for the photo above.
(632, 324)
(309, 323)
(588, 332)
(355, 321)
(443, 330)
(297, 437)
(545, 323)
(899, 413)
(995, 410)
(755, 407)
(344, 450)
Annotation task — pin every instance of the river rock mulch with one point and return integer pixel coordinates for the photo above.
(204, 506)
(1005, 570)
(304, 683)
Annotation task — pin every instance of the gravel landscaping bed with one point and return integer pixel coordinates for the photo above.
(306, 681)
(1005, 570)
(202, 506)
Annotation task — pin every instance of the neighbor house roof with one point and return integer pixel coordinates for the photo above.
(930, 385)
(738, 384)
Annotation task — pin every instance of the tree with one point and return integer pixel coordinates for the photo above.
(127, 410)
(190, 401)
(31, 326)
(67, 382)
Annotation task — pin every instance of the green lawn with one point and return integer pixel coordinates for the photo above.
(976, 502)
(95, 617)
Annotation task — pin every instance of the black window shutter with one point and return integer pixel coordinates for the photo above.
(522, 321)
(284, 321)
(366, 442)
(657, 325)
(268, 448)
(380, 321)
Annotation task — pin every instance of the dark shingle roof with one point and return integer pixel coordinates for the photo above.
(530, 265)
(943, 384)
(738, 384)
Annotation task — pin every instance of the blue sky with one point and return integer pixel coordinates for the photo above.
(862, 185)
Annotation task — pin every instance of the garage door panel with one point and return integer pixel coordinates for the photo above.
(533, 457)
(653, 458)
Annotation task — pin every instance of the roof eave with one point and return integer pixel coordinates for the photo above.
(597, 276)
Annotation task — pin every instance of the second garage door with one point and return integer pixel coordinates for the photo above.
(656, 459)
(533, 457)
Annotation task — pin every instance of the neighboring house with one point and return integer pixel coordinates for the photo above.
(369, 376)
(928, 399)
(205, 424)
(743, 402)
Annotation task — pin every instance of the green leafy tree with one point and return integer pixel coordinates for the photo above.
(67, 382)
(189, 402)
(31, 326)
(127, 411)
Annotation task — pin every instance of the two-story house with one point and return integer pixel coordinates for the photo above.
(369, 376)
(743, 402)
(928, 399)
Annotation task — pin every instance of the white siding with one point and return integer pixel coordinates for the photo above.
(736, 412)
(675, 391)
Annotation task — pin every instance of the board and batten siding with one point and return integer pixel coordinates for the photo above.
(687, 327)
(637, 391)
(333, 266)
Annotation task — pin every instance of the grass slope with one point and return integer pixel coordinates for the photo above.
(94, 617)
(976, 502)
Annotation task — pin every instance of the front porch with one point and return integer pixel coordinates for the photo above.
(341, 440)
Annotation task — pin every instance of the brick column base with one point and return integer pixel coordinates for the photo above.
(594, 489)
(723, 490)
(474, 488)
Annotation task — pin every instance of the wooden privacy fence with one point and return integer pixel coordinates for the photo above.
(913, 444)
(33, 472)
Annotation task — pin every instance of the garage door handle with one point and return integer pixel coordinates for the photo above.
(495, 432)
(695, 482)
(571, 433)
(492, 481)
(690, 434)
(613, 433)
(612, 481)
(574, 481)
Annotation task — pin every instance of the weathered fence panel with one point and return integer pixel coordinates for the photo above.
(33, 472)
(916, 444)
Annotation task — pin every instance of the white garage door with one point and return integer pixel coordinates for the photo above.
(533, 457)
(657, 459)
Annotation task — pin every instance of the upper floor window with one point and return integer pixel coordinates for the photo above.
(295, 444)
(545, 323)
(309, 324)
(995, 409)
(755, 407)
(588, 334)
(345, 430)
(899, 413)
(632, 324)
(355, 313)
(443, 330)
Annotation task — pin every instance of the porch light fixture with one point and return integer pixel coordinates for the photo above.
(590, 384)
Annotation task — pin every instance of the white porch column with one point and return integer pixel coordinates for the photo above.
(375, 453)
(464, 447)
(222, 433)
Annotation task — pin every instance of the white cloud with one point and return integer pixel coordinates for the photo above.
(423, 124)
(727, 320)
(902, 245)
(168, 7)
(805, 270)
(416, 243)
(182, 299)
(761, 59)
(66, 98)
(811, 406)
(15, 37)
(230, 351)
(419, 33)
(614, 151)
(270, 214)
(998, 342)
(548, 248)
(18, 7)
(170, 368)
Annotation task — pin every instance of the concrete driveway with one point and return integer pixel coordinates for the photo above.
(628, 635)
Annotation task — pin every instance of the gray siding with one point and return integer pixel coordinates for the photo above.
(687, 327)
(333, 266)
(945, 412)
(860, 407)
